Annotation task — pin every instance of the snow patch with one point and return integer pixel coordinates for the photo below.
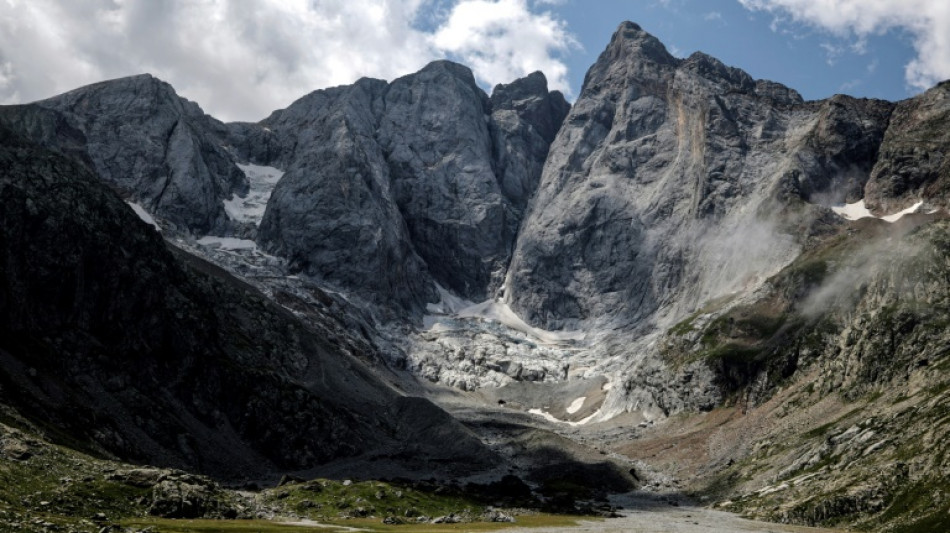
(576, 405)
(227, 243)
(449, 304)
(500, 312)
(452, 306)
(144, 215)
(858, 210)
(251, 208)
(551, 418)
(896, 216)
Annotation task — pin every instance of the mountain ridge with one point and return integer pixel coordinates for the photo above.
(672, 247)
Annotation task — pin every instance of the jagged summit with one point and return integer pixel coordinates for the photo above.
(445, 65)
(632, 41)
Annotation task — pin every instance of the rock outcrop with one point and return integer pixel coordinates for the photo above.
(151, 144)
(914, 164)
(333, 214)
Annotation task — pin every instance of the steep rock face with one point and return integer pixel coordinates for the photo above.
(333, 214)
(837, 155)
(155, 146)
(392, 187)
(435, 133)
(525, 120)
(111, 340)
(660, 190)
(914, 164)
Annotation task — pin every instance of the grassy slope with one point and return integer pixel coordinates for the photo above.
(44, 486)
(837, 384)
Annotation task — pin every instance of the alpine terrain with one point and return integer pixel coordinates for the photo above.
(412, 302)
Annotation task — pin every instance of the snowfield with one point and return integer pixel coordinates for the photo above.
(858, 210)
(227, 243)
(251, 208)
(144, 215)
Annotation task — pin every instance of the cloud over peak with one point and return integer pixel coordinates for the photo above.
(241, 59)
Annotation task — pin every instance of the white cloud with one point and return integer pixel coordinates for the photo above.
(241, 59)
(927, 20)
(832, 53)
(713, 16)
(502, 39)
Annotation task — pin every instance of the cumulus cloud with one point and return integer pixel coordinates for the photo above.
(927, 20)
(502, 40)
(241, 59)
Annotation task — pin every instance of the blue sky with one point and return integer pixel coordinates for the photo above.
(814, 61)
(242, 59)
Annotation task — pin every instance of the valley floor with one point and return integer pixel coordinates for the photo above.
(645, 515)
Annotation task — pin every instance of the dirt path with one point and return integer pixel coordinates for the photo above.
(685, 520)
(646, 515)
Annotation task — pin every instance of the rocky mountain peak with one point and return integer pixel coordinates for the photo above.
(153, 145)
(660, 164)
(710, 68)
(633, 41)
(138, 92)
(531, 100)
(445, 66)
(533, 85)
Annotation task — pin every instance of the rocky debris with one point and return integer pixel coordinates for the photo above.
(495, 515)
(15, 446)
(475, 354)
(141, 477)
(186, 496)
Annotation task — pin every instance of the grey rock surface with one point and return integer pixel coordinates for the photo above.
(435, 133)
(668, 187)
(392, 188)
(154, 146)
(333, 214)
(915, 155)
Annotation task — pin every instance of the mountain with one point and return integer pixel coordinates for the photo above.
(392, 188)
(739, 293)
(152, 145)
(667, 185)
(115, 342)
